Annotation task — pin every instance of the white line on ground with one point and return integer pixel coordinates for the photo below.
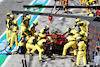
(2, 34)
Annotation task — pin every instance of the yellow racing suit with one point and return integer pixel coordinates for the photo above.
(81, 53)
(82, 23)
(7, 29)
(22, 42)
(40, 46)
(31, 44)
(24, 26)
(71, 42)
(15, 30)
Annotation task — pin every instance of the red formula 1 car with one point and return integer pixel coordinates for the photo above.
(55, 47)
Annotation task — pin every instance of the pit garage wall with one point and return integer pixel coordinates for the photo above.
(94, 34)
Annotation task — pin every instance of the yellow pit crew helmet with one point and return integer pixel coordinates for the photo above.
(12, 16)
(8, 14)
(35, 23)
(77, 20)
(15, 21)
(28, 17)
(47, 27)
